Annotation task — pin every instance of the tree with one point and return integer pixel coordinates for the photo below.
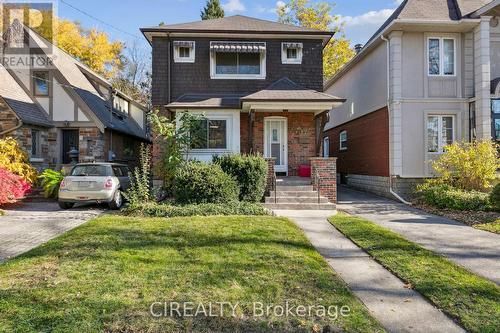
(90, 46)
(318, 16)
(212, 10)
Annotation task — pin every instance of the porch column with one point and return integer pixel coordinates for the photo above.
(482, 80)
(326, 168)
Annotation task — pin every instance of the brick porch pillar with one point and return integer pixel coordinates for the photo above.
(327, 170)
(271, 161)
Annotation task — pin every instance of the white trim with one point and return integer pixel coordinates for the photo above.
(343, 140)
(441, 56)
(284, 137)
(291, 61)
(192, 54)
(215, 76)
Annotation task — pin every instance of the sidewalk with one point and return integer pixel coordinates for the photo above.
(397, 308)
(476, 250)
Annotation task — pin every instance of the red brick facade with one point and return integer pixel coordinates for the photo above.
(326, 169)
(367, 150)
(301, 136)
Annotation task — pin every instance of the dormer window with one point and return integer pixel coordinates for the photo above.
(291, 53)
(237, 60)
(184, 51)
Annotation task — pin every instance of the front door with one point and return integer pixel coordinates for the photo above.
(275, 142)
(70, 140)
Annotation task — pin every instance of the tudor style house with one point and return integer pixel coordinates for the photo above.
(259, 85)
(428, 77)
(67, 106)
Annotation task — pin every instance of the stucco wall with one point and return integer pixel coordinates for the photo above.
(64, 106)
(364, 87)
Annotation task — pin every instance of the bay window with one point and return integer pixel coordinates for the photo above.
(440, 133)
(441, 54)
(209, 134)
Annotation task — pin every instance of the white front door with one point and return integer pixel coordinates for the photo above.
(275, 142)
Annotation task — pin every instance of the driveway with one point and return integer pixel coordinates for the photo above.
(31, 224)
(473, 249)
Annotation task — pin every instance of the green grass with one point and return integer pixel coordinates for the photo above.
(104, 275)
(472, 300)
(491, 227)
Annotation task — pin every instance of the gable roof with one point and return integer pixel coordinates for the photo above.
(19, 101)
(237, 23)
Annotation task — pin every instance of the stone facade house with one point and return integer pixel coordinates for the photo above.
(52, 109)
(428, 77)
(258, 84)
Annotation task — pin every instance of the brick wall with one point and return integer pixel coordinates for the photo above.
(327, 171)
(8, 119)
(195, 77)
(91, 145)
(367, 145)
(270, 171)
(23, 136)
(301, 136)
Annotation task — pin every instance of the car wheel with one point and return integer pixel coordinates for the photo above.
(117, 201)
(66, 205)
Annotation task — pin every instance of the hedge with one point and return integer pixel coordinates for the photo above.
(447, 197)
(168, 210)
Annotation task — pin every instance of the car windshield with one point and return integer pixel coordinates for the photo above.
(90, 170)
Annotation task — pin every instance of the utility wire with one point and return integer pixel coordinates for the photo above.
(99, 20)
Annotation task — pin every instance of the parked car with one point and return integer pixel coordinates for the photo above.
(94, 183)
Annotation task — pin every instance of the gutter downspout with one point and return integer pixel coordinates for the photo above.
(391, 190)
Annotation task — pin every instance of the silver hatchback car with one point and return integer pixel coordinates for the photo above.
(94, 183)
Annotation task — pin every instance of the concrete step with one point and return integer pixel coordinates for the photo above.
(294, 182)
(300, 194)
(294, 188)
(295, 206)
(298, 200)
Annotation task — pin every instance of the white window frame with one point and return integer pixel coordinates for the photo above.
(441, 145)
(192, 53)
(229, 133)
(441, 56)
(342, 140)
(261, 76)
(291, 61)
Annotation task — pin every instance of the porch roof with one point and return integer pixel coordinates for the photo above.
(207, 101)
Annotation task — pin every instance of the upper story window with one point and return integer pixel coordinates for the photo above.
(291, 53)
(41, 83)
(184, 51)
(441, 56)
(237, 60)
(343, 140)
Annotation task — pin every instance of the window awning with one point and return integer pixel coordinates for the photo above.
(238, 47)
(179, 43)
(292, 45)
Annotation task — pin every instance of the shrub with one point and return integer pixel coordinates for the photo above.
(13, 187)
(495, 198)
(140, 183)
(447, 197)
(197, 182)
(469, 166)
(14, 159)
(207, 209)
(50, 181)
(250, 172)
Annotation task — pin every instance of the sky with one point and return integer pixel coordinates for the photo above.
(361, 18)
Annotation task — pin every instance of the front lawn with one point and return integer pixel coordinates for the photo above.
(104, 276)
(472, 300)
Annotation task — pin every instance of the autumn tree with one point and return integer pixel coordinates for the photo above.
(212, 10)
(319, 16)
(90, 46)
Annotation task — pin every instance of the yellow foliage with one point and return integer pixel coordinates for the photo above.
(318, 16)
(469, 166)
(15, 159)
(92, 47)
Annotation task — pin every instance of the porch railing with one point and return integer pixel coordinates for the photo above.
(275, 187)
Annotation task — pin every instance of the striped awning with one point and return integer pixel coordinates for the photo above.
(238, 47)
(292, 46)
(182, 43)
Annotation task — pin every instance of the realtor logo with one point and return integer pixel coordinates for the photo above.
(27, 33)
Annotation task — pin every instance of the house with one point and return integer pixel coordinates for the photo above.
(64, 105)
(258, 84)
(428, 77)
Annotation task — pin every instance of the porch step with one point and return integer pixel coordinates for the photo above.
(293, 181)
(294, 188)
(297, 200)
(301, 206)
(299, 194)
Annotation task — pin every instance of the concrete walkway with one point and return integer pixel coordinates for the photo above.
(34, 223)
(473, 249)
(397, 308)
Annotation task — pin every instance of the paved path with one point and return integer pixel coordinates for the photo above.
(397, 308)
(476, 250)
(34, 223)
